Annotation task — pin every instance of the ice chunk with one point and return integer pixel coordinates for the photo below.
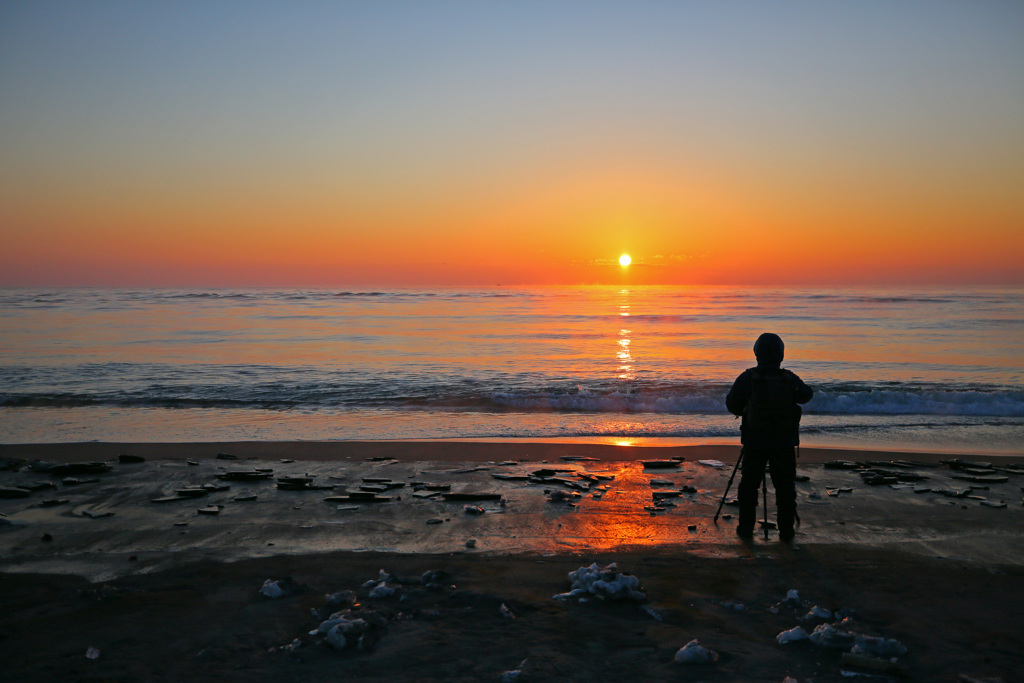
(382, 591)
(827, 635)
(340, 598)
(694, 653)
(436, 577)
(606, 583)
(654, 613)
(712, 463)
(336, 638)
(276, 589)
(513, 675)
(817, 612)
(878, 647)
(342, 631)
(792, 635)
(328, 624)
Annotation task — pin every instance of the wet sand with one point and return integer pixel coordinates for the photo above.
(450, 451)
(165, 593)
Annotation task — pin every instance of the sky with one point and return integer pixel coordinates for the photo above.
(504, 143)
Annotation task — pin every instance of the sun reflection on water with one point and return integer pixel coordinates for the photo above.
(624, 354)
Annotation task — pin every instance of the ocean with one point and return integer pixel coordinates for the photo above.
(910, 369)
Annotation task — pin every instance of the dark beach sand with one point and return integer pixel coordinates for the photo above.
(174, 603)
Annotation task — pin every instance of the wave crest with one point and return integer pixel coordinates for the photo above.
(528, 397)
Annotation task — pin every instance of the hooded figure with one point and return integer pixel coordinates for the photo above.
(767, 398)
(769, 350)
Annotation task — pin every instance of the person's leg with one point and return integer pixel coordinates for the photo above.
(783, 473)
(752, 472)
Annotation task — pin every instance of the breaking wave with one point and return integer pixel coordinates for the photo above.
(524, 395)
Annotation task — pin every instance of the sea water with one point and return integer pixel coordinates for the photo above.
(922, 368)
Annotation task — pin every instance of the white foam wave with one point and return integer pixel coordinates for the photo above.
(920, 402)
(912, 401)
(415, 393)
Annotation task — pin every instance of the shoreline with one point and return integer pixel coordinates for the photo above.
(615, 515)
(447, 450)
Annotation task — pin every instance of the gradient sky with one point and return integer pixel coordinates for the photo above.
(408, 143)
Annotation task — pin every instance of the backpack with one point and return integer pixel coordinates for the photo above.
(772, 416)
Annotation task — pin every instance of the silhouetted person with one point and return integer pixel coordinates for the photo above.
(767, 397)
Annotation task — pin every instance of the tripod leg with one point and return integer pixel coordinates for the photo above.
(764, 490)
(796, 513)
(728, 486)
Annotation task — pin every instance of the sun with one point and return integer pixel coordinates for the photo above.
(624, 260)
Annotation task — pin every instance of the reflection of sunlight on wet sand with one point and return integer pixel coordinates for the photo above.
(617, 520)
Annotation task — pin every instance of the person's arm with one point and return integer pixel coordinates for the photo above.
(802, 392)
(736, 401)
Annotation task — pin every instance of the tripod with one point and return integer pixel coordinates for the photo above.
(764, 491)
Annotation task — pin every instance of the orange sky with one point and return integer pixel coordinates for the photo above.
(188, 152)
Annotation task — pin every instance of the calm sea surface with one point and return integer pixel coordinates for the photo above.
(920, 368)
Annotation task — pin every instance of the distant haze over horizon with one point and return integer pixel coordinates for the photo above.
(459, 143)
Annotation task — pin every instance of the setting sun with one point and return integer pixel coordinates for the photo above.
(624, 260)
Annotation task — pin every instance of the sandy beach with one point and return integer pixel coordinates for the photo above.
(162, 591)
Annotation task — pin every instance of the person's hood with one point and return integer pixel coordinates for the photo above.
(769, 350)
